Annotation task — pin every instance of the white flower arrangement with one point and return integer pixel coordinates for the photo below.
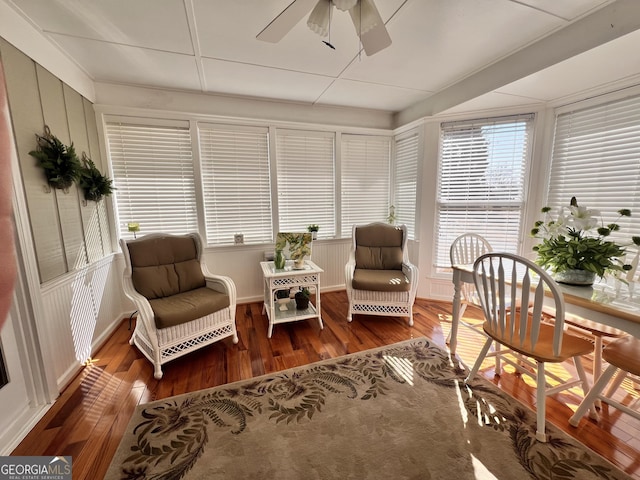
(577, 240)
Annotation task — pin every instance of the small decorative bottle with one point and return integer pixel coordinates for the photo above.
(279, 260)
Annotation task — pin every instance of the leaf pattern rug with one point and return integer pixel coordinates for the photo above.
(397, 412)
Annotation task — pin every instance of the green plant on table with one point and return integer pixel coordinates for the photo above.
(578, 240)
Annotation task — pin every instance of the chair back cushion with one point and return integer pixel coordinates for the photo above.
(379, 247)
(165, 266)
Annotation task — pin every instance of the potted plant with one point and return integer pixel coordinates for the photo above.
(313, 230)
(94, 184)
(391, 218)
(575, 246)
(302, 298)
(282, 298)
(59, 162)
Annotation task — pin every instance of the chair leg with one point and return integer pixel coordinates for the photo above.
(541, 398)
(594, 393)
(597, 364)
(463, 307)
(480, 359)
(616, 383)
(577, 362)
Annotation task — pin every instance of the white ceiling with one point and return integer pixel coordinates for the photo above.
(446, 55)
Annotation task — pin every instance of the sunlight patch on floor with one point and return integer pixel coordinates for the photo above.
(401, 366)
(480, 471)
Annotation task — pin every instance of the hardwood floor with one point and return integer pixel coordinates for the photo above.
(91, 414)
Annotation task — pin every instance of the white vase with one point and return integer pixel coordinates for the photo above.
(575, 277)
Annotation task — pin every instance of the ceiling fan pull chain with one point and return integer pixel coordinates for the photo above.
(328, 43)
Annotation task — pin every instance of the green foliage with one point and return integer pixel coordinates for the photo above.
(94, 184)
(313, 228)
(59, 162)
(391, 218)
(568, 242)
(303, 292)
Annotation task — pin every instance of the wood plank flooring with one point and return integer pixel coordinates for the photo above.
(88, 419)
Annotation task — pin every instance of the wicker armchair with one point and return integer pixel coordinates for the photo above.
(380, 279)
(181, 305)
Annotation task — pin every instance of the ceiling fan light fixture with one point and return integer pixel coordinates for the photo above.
(345, 5)
(368, 16)
(320, 18)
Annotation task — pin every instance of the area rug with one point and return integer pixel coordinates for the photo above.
(397, 412)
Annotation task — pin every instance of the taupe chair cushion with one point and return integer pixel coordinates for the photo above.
(378, 247)
(380, 280)
(187, 306)
(165, 266)
(166, 270)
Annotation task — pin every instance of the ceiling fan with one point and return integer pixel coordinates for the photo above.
(364, 14)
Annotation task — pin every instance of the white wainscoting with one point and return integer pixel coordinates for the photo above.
(82, 310)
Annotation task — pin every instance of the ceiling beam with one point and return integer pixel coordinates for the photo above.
(608, 23)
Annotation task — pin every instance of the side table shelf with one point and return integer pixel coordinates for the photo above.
(292, 313)
(289, 278)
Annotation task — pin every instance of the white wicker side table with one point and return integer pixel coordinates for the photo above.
(285, 279)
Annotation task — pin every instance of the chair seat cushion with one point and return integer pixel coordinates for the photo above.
(187, 306)
(380, 280)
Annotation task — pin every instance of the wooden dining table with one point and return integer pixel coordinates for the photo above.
(610, 302)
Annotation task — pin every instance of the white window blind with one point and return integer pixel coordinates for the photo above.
(481, 181)
(153, 176)
(236, 183)
(596, 158)
(306, 175)
(405, 180)
(365, 180)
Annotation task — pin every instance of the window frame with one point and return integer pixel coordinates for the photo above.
(442, 239)
(193, 123)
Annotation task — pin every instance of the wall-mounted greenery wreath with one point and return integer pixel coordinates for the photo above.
(94, 184)
(59, 162)
(62, 167)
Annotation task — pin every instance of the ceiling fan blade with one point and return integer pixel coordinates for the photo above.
(288, 18)
(376, 38)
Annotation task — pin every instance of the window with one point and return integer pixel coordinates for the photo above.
(306, 175)
(596, 158)
(481, 181)
(405, 178)
(365, 180)
(153, 176)
(176, 176)
(236, 183)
